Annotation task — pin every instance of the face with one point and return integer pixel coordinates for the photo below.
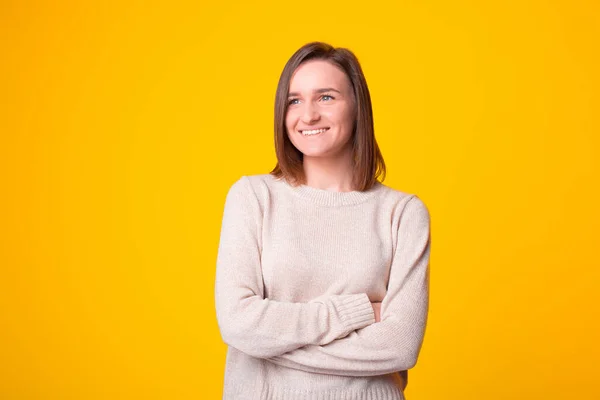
(320, 115)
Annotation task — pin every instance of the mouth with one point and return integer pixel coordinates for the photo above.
(313, 132)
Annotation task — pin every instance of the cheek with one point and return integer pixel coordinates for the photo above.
(290, 124)
(288, 127)
(290, 117)
(342, 115)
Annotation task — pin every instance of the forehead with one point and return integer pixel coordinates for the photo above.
(318, 74)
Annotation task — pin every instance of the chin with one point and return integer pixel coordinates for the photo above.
(318, 154)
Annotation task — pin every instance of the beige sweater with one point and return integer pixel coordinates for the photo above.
(297, 270)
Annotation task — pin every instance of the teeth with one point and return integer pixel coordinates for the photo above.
(313, 132)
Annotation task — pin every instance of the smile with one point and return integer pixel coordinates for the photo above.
(313, 132)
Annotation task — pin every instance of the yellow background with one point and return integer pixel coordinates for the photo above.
(123, 124)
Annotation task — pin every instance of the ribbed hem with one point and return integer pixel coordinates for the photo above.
(355, 310)
(272, 392)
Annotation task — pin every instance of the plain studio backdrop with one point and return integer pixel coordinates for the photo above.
(123, 124)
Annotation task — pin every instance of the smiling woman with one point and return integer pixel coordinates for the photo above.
(313, 110)
(322, 87)
(322, 282)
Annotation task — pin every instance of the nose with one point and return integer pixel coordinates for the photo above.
(310, 113)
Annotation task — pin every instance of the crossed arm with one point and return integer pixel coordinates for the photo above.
(336, 334)
(262, 327)
(394, 343)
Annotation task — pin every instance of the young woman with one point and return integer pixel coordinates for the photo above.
(322, 280)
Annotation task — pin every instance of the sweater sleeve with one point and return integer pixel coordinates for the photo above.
(262, 327)
(394, 343)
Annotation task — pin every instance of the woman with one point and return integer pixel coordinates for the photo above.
(322, 281)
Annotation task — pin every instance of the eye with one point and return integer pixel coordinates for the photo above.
(326, 95)
(291, 101)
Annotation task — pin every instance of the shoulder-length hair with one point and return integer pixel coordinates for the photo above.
(368, 161)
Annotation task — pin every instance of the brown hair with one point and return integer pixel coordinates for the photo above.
(369, 162)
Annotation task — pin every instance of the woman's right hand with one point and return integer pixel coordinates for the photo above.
(377, 310)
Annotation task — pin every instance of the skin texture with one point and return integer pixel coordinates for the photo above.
(328, 156)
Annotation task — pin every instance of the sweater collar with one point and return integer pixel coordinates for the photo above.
(332, 198)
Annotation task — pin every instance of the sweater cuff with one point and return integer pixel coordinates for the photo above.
(355, 310)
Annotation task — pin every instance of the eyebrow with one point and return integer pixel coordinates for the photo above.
(323, 90)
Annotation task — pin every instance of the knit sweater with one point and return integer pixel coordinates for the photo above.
(297, 270)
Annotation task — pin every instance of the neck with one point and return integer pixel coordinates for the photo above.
(329, 173)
